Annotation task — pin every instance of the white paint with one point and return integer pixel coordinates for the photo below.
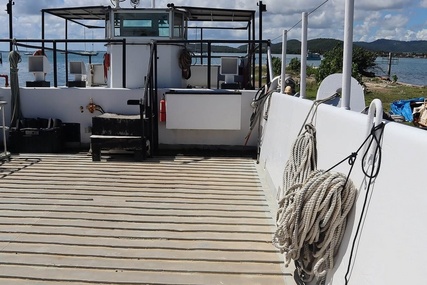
(213, 137)
(64, 103)
(95, 74)
(270, 64)
(333, 83)
(199, 76)
(283, 67)
(390, 250)
(137, 63)
(348, 53)
(303, 73)
(203, 112)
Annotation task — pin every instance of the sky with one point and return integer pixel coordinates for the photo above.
(404, 20)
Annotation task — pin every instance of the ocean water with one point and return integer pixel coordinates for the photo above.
(25, 76)
(407, 70)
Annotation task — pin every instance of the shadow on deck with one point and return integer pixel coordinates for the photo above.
(167, 220)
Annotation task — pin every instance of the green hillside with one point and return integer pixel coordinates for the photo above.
(403, 48)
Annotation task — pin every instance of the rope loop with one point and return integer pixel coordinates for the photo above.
(352, 158)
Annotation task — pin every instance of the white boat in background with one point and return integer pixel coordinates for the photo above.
(139, 98)
(87, 52)
(313, 56)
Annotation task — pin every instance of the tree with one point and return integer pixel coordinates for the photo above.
(295, 64)
(332, 62)
(277, 65)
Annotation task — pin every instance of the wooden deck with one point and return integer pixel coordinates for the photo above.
(172, 220)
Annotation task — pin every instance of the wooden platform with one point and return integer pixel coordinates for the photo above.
(172, 220)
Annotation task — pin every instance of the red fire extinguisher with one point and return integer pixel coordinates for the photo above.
(162, 117)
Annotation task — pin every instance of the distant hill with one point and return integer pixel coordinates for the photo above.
(418, 47)
(322, 45)
(315, 45)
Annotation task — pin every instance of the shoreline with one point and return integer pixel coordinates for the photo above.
(380, 80)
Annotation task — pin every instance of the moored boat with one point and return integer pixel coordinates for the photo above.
(313, 56)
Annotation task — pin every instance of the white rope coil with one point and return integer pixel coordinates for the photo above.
(311, 222)
(303, 160)
(313, 207)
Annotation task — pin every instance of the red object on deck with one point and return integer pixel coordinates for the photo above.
(162, 117)
(6, 77)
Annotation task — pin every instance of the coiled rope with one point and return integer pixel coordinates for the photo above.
(311, 222)
(303, 158)
(185, 59)
(313, 207)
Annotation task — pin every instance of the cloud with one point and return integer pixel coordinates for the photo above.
(392, 19)
(383, 4)
(422, 35)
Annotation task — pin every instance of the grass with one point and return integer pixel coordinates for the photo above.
(389, 92)
(386, 91)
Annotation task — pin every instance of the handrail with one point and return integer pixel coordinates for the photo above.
(251, 52)
(150, 102)
(54, 42)
(375, 118)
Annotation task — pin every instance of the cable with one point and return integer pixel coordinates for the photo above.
(314, 10)
(374, 172)
(309, 13)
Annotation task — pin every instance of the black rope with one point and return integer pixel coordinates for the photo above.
(258, 105)
(376, 165)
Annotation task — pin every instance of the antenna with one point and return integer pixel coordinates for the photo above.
(135, 3)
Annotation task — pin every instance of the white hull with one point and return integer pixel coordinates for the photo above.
(389, 250)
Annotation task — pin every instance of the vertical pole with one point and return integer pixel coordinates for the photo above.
(270, 63)
(201, 45)
(2, 106)
(253, 50)
(283, 67)
(66, 52)
(155, 144)
(348, 54)
(260, 46)
(389, 65)
(303, 73)
(124, 64)
(55, 66)
(209, 64)
(10, 13)
(43, 32)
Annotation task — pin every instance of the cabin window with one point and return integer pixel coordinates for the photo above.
(178, 26)
(141, 25)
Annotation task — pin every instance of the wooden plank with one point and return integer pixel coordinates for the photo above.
(174, 220)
